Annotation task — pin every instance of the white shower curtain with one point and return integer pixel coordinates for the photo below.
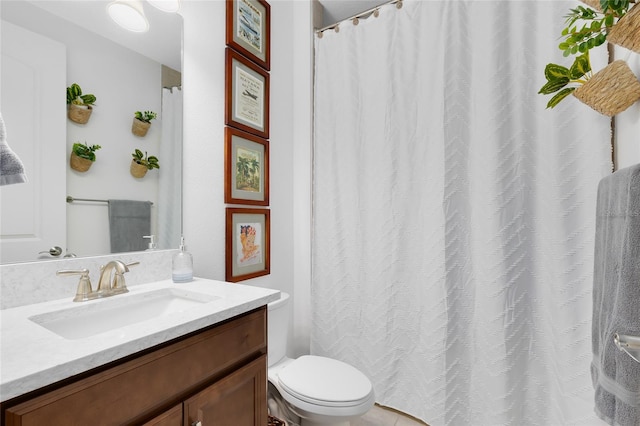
(454, 216)
(169, 227)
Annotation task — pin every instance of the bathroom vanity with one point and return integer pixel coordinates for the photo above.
(200, 362)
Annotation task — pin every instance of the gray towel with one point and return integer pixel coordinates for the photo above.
(11, 167)
(129, 221)
(616, 297)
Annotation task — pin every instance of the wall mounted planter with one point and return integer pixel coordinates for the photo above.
(79, 113)
(594, 4)
(626, 32)
(79, 164)
(611, 90)
(139, 127)
(137, 170)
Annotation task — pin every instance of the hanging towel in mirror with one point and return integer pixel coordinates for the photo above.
(11, 167)
(616, 297)
(129, 222)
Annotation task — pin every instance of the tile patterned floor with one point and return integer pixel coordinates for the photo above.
(380, 416)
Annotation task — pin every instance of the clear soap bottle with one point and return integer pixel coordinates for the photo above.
(182, 268)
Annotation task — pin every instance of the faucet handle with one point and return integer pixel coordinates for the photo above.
(119, 285)
(84, 291)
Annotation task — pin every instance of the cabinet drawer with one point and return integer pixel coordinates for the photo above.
(136, 389)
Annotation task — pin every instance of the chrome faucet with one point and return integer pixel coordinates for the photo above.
(112, 278)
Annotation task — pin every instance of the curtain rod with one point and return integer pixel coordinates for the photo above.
(373, 10)
(356, 17)
(71, 199)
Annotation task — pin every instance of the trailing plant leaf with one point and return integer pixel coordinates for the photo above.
(559, 77)
(75, 96)
(150, 162)
(560, 96)
(145, 116)
(88, 99)
(586, 28)
(85, 151)
(580, 67)
(553, 72)
(554, 85)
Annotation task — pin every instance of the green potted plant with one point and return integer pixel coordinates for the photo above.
(79, 106)
(141, 163)
(83, 156)
(586, 28)
(142, 122)
(609, 91)
(563, 81)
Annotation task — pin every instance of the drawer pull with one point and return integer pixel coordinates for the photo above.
(198, 423)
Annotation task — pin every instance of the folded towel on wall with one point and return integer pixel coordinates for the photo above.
(11, 167)
(129, 222)
(616, 297)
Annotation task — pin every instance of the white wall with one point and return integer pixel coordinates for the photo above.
(289, 144)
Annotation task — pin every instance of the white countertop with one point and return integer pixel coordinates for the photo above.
(32, 356)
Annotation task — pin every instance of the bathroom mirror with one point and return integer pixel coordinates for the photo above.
(126, 72)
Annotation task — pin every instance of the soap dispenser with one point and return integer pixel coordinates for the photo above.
(152, 242)
(182, 271)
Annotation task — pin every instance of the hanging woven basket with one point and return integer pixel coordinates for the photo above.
(79, 114)
(79, 164)
(611, 90)
(594, 4)
(626, 32)
(137, 170)
(140, 128)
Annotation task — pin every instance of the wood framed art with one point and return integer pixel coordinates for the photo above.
(249, 30)
(246, 95)
(246, 168)
(247, 248)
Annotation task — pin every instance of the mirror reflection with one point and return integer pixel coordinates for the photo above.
(47, 47)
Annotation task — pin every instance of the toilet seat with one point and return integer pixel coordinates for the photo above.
(325, 382)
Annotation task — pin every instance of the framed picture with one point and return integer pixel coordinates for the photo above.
(246, 95)
(249, 30)
(247, 243)
(246, 168)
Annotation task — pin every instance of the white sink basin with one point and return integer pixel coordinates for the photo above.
(118, 311)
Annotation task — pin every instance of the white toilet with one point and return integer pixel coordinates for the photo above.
(320, 390)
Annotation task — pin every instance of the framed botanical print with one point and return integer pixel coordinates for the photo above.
(246, 95)
(247, 243)
(249, 30)
(246, 168)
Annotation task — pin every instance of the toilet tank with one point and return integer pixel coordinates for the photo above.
(277, 328)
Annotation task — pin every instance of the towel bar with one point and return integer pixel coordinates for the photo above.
(629, 344)
(71, 199)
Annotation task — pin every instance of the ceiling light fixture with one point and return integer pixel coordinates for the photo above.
(129, 15)
(171, 6)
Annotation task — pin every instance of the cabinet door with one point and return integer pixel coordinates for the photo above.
(172, 417)
(239, 399)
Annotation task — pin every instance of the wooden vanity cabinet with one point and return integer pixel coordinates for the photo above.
(217, 376)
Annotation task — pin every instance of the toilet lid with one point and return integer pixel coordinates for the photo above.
(316, 379)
